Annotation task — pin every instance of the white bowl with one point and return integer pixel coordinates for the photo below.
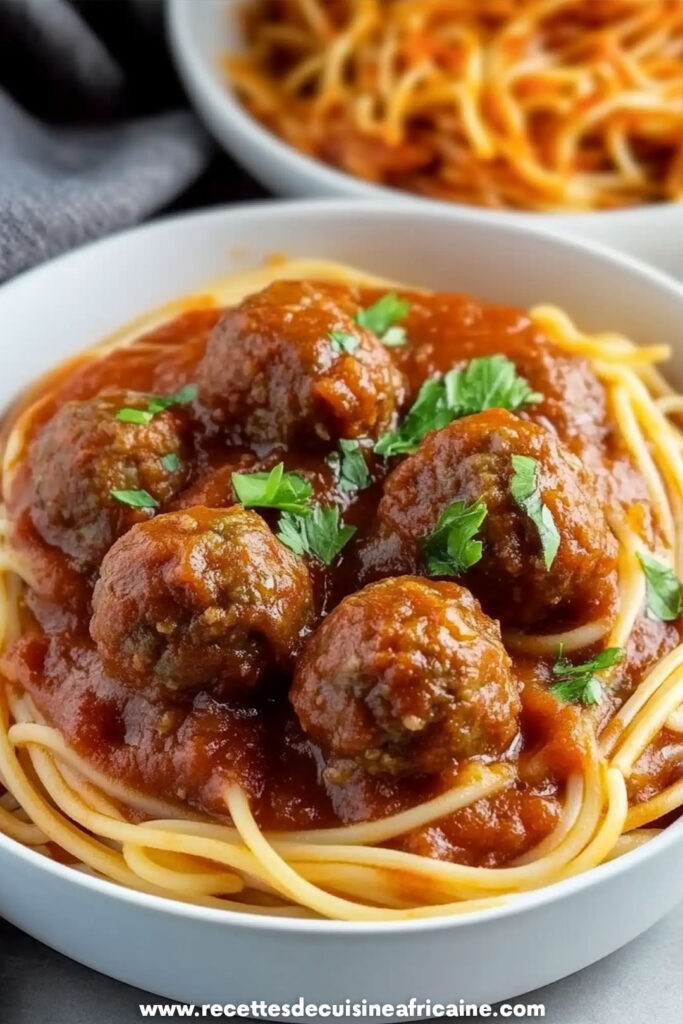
(200, 32)
(203, 955)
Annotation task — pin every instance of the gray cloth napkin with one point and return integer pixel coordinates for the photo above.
(89, 139)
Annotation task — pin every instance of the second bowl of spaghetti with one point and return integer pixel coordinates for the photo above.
(565, 113)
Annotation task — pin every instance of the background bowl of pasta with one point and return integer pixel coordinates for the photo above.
(202, 953)
(564, 114)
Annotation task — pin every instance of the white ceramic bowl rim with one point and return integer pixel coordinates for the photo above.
(537, 897)
(336, 180)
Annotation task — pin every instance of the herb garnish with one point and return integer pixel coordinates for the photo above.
(171, 462)
(451, 548)
(135, 415)
(136, 499)
(156, 404)
(381, 318)
(395, 337)
(276, 489)
(663, 589)
(349, 467)
(487, 382)
(524, 489)
(343, 342)
(319, 533)
(578, 684)
(428, 412)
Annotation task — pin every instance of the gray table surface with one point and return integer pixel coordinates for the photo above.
(640, 984)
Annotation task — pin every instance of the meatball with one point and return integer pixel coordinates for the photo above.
(84, 453)
(406, 676)
(273, 371)
(471, 459)
(200, 599)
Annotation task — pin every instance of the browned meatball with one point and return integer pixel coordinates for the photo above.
(203, 599)
(84, 453)
(406, 676)
(272, 371)
(471, 459)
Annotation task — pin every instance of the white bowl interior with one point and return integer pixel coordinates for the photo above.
(200, 955)
(201, 32)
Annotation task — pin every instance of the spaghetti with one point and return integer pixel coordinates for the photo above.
(61, 798)
(547, 105)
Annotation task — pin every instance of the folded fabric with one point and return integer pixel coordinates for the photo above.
(76, 158)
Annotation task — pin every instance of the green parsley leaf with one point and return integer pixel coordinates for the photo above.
(136, 499)
(487, 382)
(319, 533)
(524, 489)
(395, 337)
(135, 415)
(428, 412)
(277, 489)
(158, 403)
(343, 342)
(350, 468)
(292, 534)
(578, 684)
(171, 462)
(383, 314)
(663, 589)
(584, 690)
(451, 549)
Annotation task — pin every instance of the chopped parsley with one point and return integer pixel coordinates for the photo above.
(451, 548)
(171, 462)
(524, 489)
(135, 415)
(663, 589)
(381, 318)
(287, 491)
(486, 382)
(318, 533)
(428, 412)
(343, 342)
(156, 404)
(578, 684)
(136, 499)
(350, 467)
(395, 337)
